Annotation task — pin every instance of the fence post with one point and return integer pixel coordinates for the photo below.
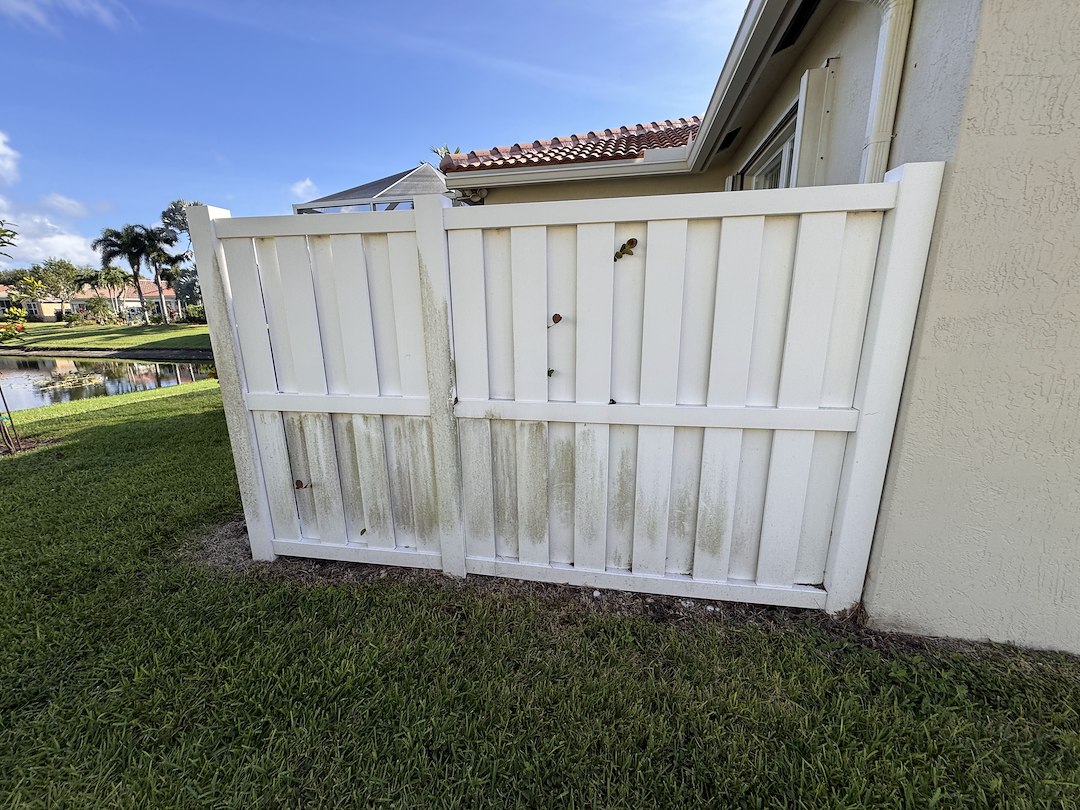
(890, 325)
(434, 265)
(217, 300)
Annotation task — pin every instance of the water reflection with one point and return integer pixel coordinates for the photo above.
(28, 382)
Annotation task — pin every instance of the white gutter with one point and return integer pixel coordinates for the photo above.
(885, 94)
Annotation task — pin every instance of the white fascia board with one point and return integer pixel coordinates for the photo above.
(491, 178)
(756, 29)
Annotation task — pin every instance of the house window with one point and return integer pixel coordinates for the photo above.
(772, 164)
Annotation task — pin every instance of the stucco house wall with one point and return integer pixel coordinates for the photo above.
(979, 532)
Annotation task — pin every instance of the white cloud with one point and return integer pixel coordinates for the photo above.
(40, 237)
(9, 159)
(41, 12)
(304, 190)
(64, 205)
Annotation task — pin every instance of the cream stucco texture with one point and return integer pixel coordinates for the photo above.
(979, 532)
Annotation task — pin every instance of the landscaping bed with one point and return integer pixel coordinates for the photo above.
(146, 662)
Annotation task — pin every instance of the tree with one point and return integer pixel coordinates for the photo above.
(111, 279)
(443, 151)
(131, 244)
(174, 217)
(59, 279)
(100, 310)
(157, 239)
(7, 237)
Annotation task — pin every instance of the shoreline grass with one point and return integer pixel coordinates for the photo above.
(49, 336)
(131, 676)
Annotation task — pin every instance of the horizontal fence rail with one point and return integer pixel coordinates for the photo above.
(689, 394)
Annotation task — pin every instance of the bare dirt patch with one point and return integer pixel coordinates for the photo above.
(226, 548)
(28, 444)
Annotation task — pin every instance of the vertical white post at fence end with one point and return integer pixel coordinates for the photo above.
(217, 300)
(894, 302)
(434, 262)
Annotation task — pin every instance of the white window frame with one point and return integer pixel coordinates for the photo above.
(777, 151)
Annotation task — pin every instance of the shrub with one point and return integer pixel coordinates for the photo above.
(195, 313)
(156, 319)
(74, 319)
(100, 311)
(14, 323)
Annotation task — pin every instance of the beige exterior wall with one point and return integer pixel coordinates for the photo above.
(979, 533)
(593, 189)
(850, 32)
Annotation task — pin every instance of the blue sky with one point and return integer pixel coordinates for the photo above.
(109, 109)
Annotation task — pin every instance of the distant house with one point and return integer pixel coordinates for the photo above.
(42, 309)
(127, 300)
(393, 193)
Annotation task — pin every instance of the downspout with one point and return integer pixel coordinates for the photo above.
(885, 95)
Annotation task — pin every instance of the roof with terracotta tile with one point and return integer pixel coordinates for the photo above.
(149, 290)
(624, 143)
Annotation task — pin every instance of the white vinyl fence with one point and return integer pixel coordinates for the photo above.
(488, 390)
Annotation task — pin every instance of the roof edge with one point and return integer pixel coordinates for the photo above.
(757, 28)
(564, 172)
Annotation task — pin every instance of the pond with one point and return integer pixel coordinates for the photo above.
(28, 382)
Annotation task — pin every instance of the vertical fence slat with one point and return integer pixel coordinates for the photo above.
(353, 310)
(595, 280)
(562, 387)
(349, 469)
(383, 325)
(408, 319)
(720, 458)
(665, 276)
(296, 439)
(504, 477)
(532, 492)
(374, 481)
(628, 310)
(251, 322)
(468, 296)
(325, 277)
(785, 502)
(280, 488)
(738, 269)
(478, 497)
(849, 311)
(528, 257)
(825, 468)
(277, 318)
(323, 474)
(561, 492)
(813, 297)
(770, 321)
(326, 477)
(301, 315)
(467, 291)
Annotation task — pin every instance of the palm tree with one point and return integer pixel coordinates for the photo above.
(157, 239)
(131, 244)
(110, 278)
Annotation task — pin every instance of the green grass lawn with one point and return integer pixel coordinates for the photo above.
(133, 675)
(159, 336)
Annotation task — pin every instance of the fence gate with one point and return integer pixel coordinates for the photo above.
(708, 414)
